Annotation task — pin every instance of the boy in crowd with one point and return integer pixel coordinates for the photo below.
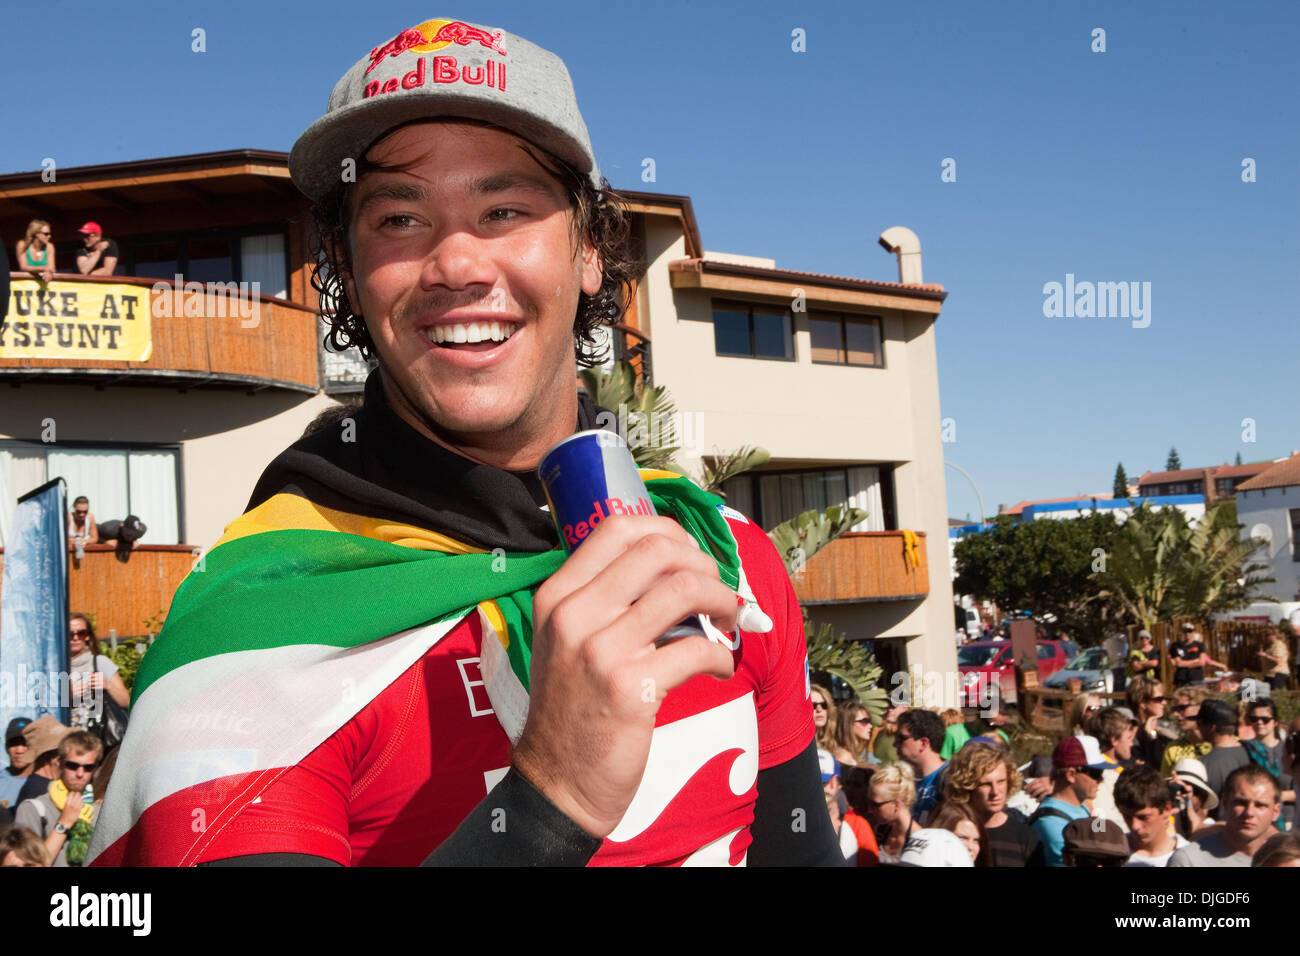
(1143, 797)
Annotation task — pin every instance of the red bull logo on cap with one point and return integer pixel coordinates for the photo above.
(433, 35)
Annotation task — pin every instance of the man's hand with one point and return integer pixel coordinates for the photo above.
(71, 810)
(597, 677)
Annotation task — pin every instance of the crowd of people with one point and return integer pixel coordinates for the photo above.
(53, 786)
(1125, 786)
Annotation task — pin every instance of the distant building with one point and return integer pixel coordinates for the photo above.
(1213, 482)
(1268, 506)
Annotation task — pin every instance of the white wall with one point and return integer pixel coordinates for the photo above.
(1271, 507)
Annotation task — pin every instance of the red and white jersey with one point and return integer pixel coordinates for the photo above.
(391, 784)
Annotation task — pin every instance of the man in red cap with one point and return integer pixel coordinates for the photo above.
(100, 255)
(1077, 767)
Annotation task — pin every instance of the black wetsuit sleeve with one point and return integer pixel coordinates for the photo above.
(515, 825)
(792, 826)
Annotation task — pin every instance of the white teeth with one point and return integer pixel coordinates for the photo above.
(471, 332)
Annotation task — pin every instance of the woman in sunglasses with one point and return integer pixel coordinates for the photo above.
(1084, 707)
(36, 251)
(91, 673)
(824, 720)
(889, 808)
(1146, 698)
(853, 735)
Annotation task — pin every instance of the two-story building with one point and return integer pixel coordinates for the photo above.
(164, 390)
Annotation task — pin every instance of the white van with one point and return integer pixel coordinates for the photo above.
(1264, 612)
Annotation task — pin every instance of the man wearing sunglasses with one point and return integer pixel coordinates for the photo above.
(62, 816)
(1077, 768)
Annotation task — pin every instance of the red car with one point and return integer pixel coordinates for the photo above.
(979, 661)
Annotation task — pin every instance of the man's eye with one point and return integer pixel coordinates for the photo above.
(502, 215)
(400, 220)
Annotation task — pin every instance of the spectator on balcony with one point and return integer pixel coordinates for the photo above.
(99, 255)
(122, 535)
(82, 529)
(35, 253)
(91, 674)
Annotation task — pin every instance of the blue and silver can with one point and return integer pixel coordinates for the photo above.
(589, 477)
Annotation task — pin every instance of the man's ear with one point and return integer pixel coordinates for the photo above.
(592, 270)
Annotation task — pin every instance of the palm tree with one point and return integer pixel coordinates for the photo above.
(1161, 567)
(647, 417)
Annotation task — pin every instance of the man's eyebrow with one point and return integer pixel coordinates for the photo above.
(501, 182)
(394, 192)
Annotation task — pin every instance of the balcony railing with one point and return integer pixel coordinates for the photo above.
(131, 598)
(78, 328)
(869, 566)
(633, 346)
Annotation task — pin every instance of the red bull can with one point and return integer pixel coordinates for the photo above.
(588, 478)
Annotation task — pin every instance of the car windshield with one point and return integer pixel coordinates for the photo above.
(1089, 660)
(975, 656)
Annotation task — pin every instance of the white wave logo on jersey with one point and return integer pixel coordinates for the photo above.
(679, 750)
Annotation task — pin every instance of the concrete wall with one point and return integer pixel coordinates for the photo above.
(227, 437)
(817, 415)
(1272, 507)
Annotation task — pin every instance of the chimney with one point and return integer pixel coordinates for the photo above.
(903, 242)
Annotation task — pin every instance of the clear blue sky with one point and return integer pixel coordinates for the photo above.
(1115, 166)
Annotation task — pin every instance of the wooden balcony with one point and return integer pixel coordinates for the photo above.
(869, 566)
(210, 335)
(131, 598)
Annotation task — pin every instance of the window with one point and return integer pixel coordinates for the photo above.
(773, 497)
(752, 331)
(142, 481)
(255, 254)
(845, 339)
(1295, 534)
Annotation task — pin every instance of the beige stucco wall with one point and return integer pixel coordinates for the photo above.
(806, 413)
(226, 436)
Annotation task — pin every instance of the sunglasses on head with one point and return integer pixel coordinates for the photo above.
(80, 766)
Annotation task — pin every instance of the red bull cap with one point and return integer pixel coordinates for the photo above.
(444, 68)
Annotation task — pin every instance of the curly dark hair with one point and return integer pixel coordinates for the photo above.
(601, 217)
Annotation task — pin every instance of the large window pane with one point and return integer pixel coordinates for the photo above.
(827, 332)
(210, 260)
(863, 338)
(772, 334)
(158, 260)
(99, 475)
(262, 261)
(153, 495)
(731, 331)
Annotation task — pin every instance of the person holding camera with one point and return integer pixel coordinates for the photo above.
(1192, 798)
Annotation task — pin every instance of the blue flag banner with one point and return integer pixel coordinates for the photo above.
(34, 608)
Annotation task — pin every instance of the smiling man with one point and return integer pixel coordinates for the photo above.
(467, 694)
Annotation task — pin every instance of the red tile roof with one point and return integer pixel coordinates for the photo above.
(1278, 475)
(1236, 471)
(1183, 474)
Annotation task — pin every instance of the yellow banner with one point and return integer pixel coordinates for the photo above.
(76, 320)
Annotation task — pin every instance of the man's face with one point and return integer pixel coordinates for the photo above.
(77, 768)
(470, 233)
(990, 795)
(1086, 782)
(1148, 825)
(17, 749)
(90, 239)
(1124, 742)
(910, 748)
(1250, 809)
(1262, 720)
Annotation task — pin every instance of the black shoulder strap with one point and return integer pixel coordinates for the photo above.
(1047, 812)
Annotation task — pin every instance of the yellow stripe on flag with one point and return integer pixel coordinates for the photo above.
(284, 512)
(494, 617)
